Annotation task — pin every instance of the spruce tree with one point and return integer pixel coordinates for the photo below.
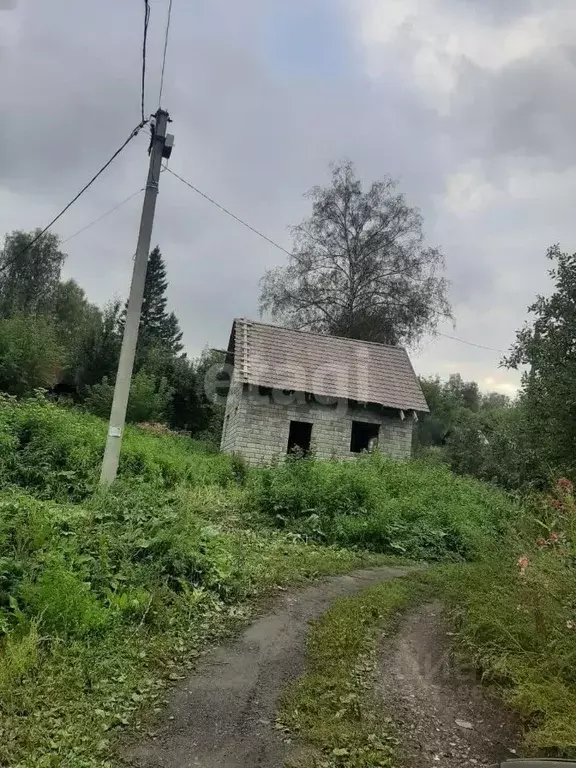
(154, 314)
(158, 328)
(172, 334)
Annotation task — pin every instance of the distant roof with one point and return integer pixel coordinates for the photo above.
(328, 366)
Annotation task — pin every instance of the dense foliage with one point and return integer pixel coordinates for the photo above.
(30, 354)
(547, 350)
(52, 337)
(528, 442)
(474, 433)
(158, 327)
(102, 595)
(30, 273)
(416, 509)
(57, 452)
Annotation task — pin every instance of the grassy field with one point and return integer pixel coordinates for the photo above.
(102, 605)
(107, 598)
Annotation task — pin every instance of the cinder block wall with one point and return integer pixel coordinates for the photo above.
(234, 416)
(257, 426)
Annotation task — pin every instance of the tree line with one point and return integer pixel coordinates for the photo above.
(529, 441)
(52, 337)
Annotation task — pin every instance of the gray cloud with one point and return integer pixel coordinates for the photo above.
(67, 102)
(528, 108)
(499, 10)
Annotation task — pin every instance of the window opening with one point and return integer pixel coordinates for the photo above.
(299, 437)
(364, 436)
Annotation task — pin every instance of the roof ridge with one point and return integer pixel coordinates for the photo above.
(315, 333)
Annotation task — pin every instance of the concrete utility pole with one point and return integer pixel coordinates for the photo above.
(160, 146)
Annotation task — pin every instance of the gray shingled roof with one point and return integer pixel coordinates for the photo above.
(329, 366)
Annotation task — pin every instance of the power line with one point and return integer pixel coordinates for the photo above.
(288, 253)
(471, 343)
(229, 213)
(74, 199)
(108, 212)
(165, 51)
(144, 44)
(115, 208)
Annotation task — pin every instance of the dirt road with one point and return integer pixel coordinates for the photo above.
(444, 716)
(223, 716)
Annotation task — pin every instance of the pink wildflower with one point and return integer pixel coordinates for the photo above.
(540, 543)
(565, 485)
(523, 563)
(554, 538)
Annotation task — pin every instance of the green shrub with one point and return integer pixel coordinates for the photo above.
(30, 356)
(149, 399)
(63, 603)
(20, 654)
(417, 509)
(131, 602)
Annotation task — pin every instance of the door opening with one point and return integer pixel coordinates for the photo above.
(299, 437)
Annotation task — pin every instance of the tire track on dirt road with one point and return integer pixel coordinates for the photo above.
(223, 715)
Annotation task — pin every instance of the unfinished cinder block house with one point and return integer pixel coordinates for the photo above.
(297, 391)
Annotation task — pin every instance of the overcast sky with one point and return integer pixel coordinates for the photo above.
(471, 104)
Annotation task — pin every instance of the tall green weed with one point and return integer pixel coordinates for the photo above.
(100, 602)
(56, 452)
(415, 509)
(515, 613)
